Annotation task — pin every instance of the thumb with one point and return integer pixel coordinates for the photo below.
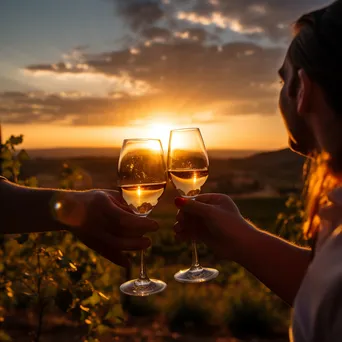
(193, 207)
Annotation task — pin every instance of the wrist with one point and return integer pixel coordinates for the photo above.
(69, 209)
(244, 242)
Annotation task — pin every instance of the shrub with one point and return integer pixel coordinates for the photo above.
(141, 307)
(187, 315)
(252, 310)
(250, 315)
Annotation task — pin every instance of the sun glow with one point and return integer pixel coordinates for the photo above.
(153, 145)
(161, 131)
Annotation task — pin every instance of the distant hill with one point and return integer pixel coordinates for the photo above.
(282, 158)
(281, 168)
(227, 154)
(57, 153)
(277, 168)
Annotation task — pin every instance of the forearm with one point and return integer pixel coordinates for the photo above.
(277, 263)
(24, 210)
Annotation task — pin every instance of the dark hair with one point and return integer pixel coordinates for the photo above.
(317, 49)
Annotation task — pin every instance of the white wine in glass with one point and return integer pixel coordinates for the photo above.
(188, 169)
(142, 180)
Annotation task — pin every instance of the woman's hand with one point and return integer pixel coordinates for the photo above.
(215, 220)
(104, 223)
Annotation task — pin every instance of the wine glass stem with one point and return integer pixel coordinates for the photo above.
(195, 263)
(143, 273)
(195, 266)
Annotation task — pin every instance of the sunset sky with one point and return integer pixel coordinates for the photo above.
(89, 73)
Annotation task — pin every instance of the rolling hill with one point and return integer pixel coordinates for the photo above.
(277, 168)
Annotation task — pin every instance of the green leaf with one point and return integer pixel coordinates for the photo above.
(6, 154)
(106, 279)
(22, 156)
(15, 140)
(25, 252)
(32, 182)
(114, 315)
(64, 300)
(16, 167)
(92, 300)
(7, 164)
(7, 173)
(102, 329)
(83, 293)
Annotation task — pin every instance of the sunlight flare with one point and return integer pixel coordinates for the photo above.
(161, 131)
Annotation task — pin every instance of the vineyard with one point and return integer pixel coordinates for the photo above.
(54, 288)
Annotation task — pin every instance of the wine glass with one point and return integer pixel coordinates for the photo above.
(142, 180)
(188, 169)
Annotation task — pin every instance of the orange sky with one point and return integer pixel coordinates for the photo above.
(245, 132)
(137, 69)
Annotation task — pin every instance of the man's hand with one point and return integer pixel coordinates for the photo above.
(104, 223)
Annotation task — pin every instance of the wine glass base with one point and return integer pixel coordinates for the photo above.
(199, 275)
(152, 287)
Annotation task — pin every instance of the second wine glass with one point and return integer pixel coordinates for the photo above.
(142, 180)
(188, 169)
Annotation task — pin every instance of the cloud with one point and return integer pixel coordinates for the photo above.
(62, 108)
(140, 14)
(156, 33)
(181, 76)
(177, 63)
(269, 18)
(216, 18)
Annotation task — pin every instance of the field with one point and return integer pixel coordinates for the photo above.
(82, 302)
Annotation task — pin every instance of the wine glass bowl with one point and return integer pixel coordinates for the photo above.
(142, 174)
(188, 183)
(142, 180)
(188, 162)
(188, 170)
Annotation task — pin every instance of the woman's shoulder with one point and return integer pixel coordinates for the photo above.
(318, 303)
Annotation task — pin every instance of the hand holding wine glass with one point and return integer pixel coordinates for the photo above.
(188, 169)
(219, 224)
(142, 180)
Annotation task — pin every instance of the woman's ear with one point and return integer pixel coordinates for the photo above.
(304, 93)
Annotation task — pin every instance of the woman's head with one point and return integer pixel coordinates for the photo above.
(311, 100)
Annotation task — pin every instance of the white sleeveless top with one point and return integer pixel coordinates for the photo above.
(317, 314)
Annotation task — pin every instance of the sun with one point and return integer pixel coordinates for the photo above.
(161, 131)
